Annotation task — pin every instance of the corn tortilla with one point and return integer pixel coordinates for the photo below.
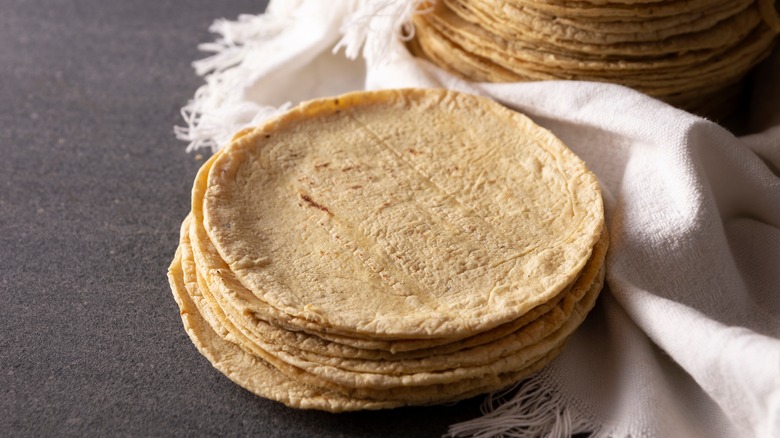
(388, 190)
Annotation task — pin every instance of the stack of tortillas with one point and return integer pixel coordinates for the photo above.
(390, 248)
(690, 53)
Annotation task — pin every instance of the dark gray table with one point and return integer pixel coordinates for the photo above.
(93, 190)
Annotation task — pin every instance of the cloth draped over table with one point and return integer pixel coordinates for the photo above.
(685, 340)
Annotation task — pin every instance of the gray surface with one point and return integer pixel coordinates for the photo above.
(93, 187)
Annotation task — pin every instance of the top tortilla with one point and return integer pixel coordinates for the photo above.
(403, 214)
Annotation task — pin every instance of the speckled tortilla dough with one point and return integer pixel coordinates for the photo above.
(226, 310)
(413, 387)
(221, 279)
(483, 354)
(522, 55)
(278, 342)
(611, 10)
(259, 377)
(268, 320)
(500, 17)
(526, 25)
(248, 371)
(235, 299)
(393, 215)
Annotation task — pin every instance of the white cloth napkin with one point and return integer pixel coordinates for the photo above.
(685, 339)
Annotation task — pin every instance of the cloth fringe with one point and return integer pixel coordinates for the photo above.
(219, 107)
(371, 23)
(209, 118)
(528, 409)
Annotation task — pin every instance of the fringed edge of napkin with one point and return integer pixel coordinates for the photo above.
(382, 17)
(528, 409)
(219, 109)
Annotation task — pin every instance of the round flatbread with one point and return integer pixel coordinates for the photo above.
(237, 362)
(270, 324)
(688, 53)
(393, 215)
(248, 371)
(285, 345)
